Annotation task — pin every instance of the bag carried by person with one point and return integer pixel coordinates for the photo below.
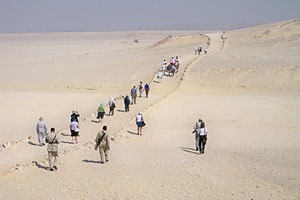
(143, 124)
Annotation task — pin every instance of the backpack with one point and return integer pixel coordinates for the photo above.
(202, 125)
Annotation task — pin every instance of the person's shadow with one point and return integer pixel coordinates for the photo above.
(90, 161)
(120, 110)
(41, 166)
(95, 121)
(33, 144)
(131, 132)
(189, 150)
(65, 142)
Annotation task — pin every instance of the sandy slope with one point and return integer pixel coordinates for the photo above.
(253, 143)
(51, 75)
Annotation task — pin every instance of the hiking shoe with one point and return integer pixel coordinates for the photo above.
(55, 167)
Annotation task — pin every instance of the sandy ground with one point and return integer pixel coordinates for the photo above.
(252, 119)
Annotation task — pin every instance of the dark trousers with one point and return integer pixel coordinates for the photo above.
(202, 142)
(147, 91)
(111, 110)
(126, 107)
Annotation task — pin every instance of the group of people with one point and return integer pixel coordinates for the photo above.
(200, 132)
(170, 68)
(51, 138)
(199, 49)
(103, 138)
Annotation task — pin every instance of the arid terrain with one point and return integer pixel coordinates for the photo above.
(246, 89)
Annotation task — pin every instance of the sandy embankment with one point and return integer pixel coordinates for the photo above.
(253, 144)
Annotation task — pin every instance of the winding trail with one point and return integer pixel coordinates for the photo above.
(159, 165)
(30, 155)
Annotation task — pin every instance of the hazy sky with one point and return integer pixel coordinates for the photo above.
(77, 15)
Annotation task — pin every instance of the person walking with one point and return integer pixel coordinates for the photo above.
(126, 102)
(41, 130)
(53, 140)
(205, 51)
(197, 133)
(165, 62)
(74, 128)
(103, 143)
(147, 89)
(112, 105)
(159, 76)
(202, 138)
(133, 93)
(74, 116)
(140, 123)
(173, 69)
(101, 113)
(140, 87)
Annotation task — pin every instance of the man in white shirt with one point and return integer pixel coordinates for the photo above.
(159, 76)
(41, 131)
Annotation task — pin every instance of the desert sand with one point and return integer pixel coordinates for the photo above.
(247, 90)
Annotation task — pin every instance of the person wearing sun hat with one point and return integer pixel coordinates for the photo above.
(101, 112)
(140, 123)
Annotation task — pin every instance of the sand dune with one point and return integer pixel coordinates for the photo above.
(246, 90)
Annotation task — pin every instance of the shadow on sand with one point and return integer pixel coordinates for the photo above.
(120, 110)
(90, 161)
(65, 142)
(95, 121)
(33, 144)
(65, 134)
(131, 132)
(41, 166)
(189, 150)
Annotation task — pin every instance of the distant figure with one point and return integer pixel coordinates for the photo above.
(133, 93)
(103, 143)
(147, 89)
(41, 130)
(101, 112)
(201, 130)
(159, 76)
(112, 105)
(165, 62)
(205, 51)
(173, 69)
(164, 67)
(198, 50)
(126, 103)
(140, 87)
(53, 140)
(74, 128)
(74, 116)
(140, 123)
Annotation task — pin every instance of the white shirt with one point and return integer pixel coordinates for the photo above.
(74, 125)
(203, 131)
(160, 75)
(139, 118)
(41, 127)
(111, 102)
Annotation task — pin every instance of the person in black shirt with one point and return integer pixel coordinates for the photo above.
(74, 116)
